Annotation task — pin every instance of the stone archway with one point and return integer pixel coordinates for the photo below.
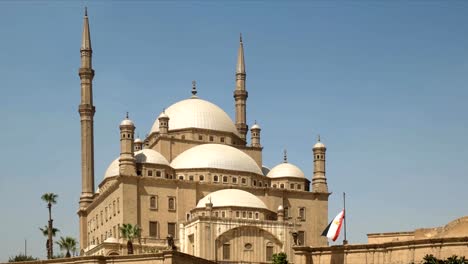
(246, 243)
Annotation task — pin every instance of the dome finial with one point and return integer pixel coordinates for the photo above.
(126, 115)
(240, 37)
(194, 88)
(318, 138)
(85, 11)
(285, 156)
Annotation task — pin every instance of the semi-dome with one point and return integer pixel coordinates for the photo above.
(150, 156)
(197, 113)
(286, 170)
(216, 156)
(232, 197)
(142, 156)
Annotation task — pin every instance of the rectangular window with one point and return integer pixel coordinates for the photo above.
(234, 180)
(191, 178)
(153, 229)
(301, 238)
(118, 231)
(150, 173)
(200, 137)
(223, 214)
(171, 229)
(118, 206)
(291, 186)
(106, 213)
(115, 233)
(158, 173)
(221, 139)
(113, 207)
(302, 214)
(237, 214)
(211, 138)
(102, 219)
(226, 251)
(171, 204)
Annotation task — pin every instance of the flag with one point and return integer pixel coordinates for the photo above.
(333, 229)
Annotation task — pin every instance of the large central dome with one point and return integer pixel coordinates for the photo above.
(216, 156)
(197, 113)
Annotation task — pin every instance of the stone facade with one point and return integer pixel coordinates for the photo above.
(165, 257)
(393, 248)
(157, 183)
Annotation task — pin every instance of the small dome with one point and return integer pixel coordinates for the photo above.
(141, 156)
(256, 126)
(113, 169)
(232, 197)
(216, 156)
(197, 113)
(319, 145)
(150, 156)
(280, 208)
(163, 115)
(286, 170)
(138, 140)
(265, 170)
(127, 122)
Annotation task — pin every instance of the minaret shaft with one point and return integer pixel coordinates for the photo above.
(241, 94)
(86, 110)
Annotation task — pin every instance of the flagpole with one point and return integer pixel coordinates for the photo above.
(345, 242)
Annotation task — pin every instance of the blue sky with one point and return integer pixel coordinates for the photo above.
(385, 84)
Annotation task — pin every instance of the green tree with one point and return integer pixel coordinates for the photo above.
(430, 259)
(280, 258)
(50, 198)
(130, 232)
(67, 244)
(45, 231)
(21, 257)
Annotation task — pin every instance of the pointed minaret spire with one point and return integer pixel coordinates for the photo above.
(240, 57)
(240, 94)
(86, 38)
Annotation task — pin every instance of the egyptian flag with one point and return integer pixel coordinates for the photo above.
(333, 229)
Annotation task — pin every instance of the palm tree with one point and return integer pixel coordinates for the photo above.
(50, 198)
(45, 231)
(130, 232)
(68, 244)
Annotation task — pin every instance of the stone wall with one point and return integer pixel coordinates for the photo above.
(166, 257)
(399, 252)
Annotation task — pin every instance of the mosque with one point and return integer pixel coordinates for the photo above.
(197, 178)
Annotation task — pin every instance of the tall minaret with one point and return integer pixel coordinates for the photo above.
(240, 94)
(86, 110)
(319, 181)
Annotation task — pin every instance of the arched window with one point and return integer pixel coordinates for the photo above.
(291, 186)
(244, 181)
(215, 178)
(234, 180)
(282, 186)
(201, 177)
(181, 177)
(171, 203)
(254, 183)
(274, 185)
(260, 184)
(154, 202)
(225, 179)
(269, 251)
